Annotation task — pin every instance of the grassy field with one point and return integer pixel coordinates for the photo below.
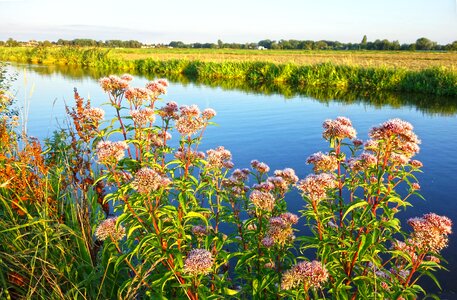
(392, 59)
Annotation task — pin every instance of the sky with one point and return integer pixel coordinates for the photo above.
(237, 21)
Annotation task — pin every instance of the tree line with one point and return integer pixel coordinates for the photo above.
(420, 44)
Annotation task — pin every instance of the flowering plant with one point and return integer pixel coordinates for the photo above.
(164, 220)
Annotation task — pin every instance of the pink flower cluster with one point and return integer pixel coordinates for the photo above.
(93, 115)
(323, 162)
(219, 158)
(108, 151)
(160, 138)
(148, 180)
(157, 87)
(339, 128)
(263, 200)
(362, 162)
(169, 111)
(315, 186)
(143, 116)
(199, 231)
(185, 155)
(137, 96)
(308, 274)
(259, 166)
(108, 229)
(401, 136)
(190, 121)
(280, 229)
(430, 233)
(113, 83)
(198, 262)
(208, 114)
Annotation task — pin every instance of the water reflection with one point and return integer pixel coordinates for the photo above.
(427, 104)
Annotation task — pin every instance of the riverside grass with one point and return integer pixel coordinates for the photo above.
(438, 80)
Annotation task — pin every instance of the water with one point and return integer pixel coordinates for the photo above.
(281, 131)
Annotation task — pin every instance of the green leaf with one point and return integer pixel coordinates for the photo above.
(354, 206)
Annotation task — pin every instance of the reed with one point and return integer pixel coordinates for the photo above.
(438, 80)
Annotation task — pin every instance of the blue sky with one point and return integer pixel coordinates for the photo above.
(231, 21)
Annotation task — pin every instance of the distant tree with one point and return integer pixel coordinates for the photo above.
(220, 44)
(265, 43)
(425, 44)
(177, 44)
(320, 45)
(363, 43)
(451, 47)
(11, 43)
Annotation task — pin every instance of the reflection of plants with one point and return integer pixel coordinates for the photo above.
(186, 225)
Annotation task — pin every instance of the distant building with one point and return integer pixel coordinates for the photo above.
(261, 48)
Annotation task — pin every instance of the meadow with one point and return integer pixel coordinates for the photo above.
(418, 72)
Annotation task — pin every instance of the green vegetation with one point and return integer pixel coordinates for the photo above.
(437, 80)
(109, 209)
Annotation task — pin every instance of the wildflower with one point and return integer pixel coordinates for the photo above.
(113, 83)
(277, 183)
(148, 180)
(189, 122)
(108, 151)
(265, 186)
(339, 128)
(399, 134)
(262, 200)
(169, 111)
(268, 242)
(309, 274)
(362, 162)
(94, 114)
(415, 186)
(160, 138)
(157, 88)
(316, 186)
(143, 116)
(219, 158)
(199, 230)
(240, 174)
(191, 156)
(280, 228)
(208, 114)
(137, 96)
(357, 142)
(430, 232)
(163, 82)
(127, 77)
(323, 162)
(260, 166)
(108, 229)
(288, 175)
(416, 163)
(198, 262)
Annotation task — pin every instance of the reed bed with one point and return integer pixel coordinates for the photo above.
(324, 72)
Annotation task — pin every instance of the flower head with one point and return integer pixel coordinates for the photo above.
(309, 274)
(323, 162)
(260, 166)
(219, 158)
(198, 262)
(339, 128)
(143, 116)
(315, 186)
(148, 180)
(208, 114)
(263, 200)
(108, 229)
(430, 233)
(113, 83)
(108, 151)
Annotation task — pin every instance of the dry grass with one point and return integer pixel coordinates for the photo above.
(409, 60)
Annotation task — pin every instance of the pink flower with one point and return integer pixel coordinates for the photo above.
(260, 166)
(430, 233)
(263, 200)
(339, 128)
(219, 158)
(108, 229)
(143, 116)
(315, 186)
(198, 262)
(113, 83)
(309, 274)
(108, 151)
(94, 114)
(208, 114)
(148, 180)
(323, 162)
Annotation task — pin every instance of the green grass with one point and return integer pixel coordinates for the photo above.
(345, 77)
